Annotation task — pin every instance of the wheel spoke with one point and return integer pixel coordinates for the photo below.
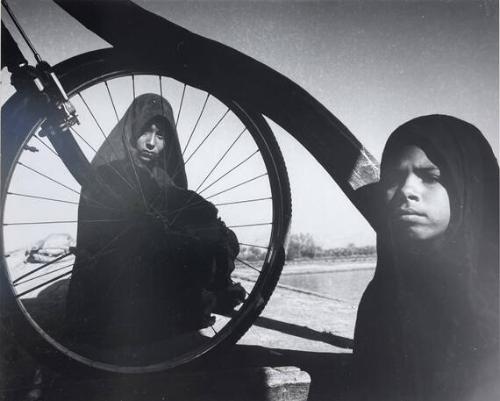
(65, 186)
(106, 139)
(95, 151)
(248, 264)
(196, 124)
(242, 201)
(180, 105)
(41, 197)
(137, 178)
(236, 186)
(28, 223)
(43, 266)
(93, 260)
(161, 96)
(212, 327)
(128, 150)
(207, 136)
(170, 148)
(63, 222)
(83, 139)
(220, 159)
(111, 99)
(43, 284)
(47, 146)
(250, 225)
(191, 204)
(43, 275)
(254, 246)
(95, 119)
(112, 147)
(48, 178)
(229, 171)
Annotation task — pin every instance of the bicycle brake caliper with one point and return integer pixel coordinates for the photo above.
(61, 111)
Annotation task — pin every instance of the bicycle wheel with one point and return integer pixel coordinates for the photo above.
(231, 158)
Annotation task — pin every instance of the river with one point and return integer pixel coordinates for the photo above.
(346, 285)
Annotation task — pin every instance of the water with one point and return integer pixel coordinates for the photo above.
(347, 286)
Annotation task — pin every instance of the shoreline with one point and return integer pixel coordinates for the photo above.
(313, 267)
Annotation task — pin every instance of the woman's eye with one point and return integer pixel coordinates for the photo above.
(430, 177)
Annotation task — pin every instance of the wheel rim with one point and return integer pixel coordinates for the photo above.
(215, 181)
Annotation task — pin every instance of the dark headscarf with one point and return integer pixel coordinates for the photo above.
(120, 144)
(427, 325)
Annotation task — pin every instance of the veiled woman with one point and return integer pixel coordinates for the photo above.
(427, 325)
(153, 260)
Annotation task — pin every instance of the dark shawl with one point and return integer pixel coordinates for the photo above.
(427, 325)
(146, 246)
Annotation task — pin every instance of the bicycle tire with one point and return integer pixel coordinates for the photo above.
(19, 121)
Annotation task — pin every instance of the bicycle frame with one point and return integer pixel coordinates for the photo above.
(204, 62)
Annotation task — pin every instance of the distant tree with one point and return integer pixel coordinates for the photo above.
(302, 246)
(251, 253)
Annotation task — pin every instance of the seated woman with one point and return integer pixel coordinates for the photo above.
(153, 260)
(427, 325)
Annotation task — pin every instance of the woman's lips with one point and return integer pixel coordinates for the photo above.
(146, 155)
(410, 218)
(408, 215)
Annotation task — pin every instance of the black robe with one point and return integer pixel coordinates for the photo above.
(152, 256)
(427, 325)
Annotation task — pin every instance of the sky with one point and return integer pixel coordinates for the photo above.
(373, 64)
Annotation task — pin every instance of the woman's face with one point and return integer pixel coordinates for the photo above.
(417, 203)
(151, 143)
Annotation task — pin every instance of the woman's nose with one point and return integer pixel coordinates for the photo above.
(409, 188)
(151, 141)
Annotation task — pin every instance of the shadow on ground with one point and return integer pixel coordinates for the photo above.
(201, 380)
